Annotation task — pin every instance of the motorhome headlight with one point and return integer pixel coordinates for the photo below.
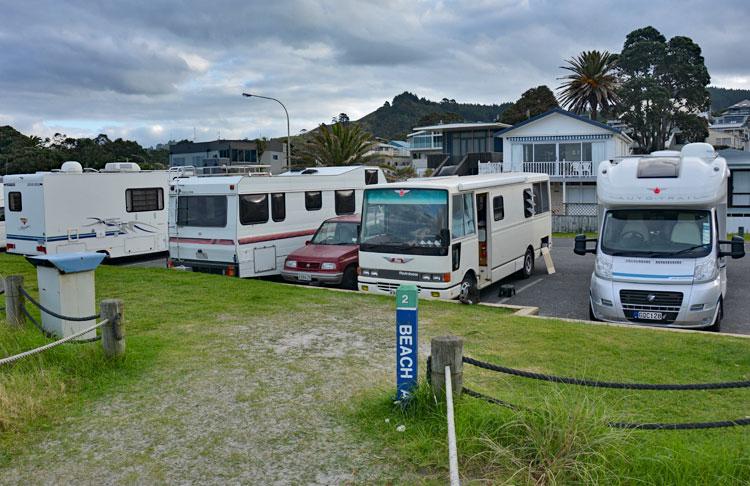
(603, 267)
(328, 266)
(291, 263)
(706, 270)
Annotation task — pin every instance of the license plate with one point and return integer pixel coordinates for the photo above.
(304, 277)
(651, 316)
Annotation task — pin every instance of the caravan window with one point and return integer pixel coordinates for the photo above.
(371, 176)
(498, 207)
(345, 202)
(463, 215)
(740, 185)
(541, 197)
(313, 200)
(144, 199)
(14, 201)
(204, 211)
(253, 208)
(278, 206)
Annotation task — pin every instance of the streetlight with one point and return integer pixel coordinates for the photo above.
(288, 133)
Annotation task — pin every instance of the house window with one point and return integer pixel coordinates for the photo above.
(545, 152)
(498, 208)
(253, 208)
(575, 152)
(14, 201)
(371, 176)
(278, 206)
(541, 197)
(463, 215)
(275, 157)
(740, 189)
(528, 152)
(146, 199)
(313, 200)
(345, 202)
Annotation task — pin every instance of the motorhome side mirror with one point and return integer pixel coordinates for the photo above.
(580, 245)
(307, 242)
(737, 249)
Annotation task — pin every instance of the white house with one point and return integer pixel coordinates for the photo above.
(569, 148)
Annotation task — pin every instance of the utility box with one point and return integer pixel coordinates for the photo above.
(66, 286)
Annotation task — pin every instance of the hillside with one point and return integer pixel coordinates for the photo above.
(395, 119)
(722, 98)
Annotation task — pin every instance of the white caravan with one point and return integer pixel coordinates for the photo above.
(659, 259)
(247, 225)
(119, 211)
(452, 236)
(2, 217)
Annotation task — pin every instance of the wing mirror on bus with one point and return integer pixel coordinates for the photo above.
(581, 247)
(737, 250)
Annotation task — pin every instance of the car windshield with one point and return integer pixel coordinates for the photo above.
(410, 221)
(657, 233)
(336, 233)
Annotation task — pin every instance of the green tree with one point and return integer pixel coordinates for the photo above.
(532, 102)
(437, 117)
(663, 86)
(338, 144)
(591, 84)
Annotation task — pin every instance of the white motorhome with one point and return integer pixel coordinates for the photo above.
(2, 216)
(119, 211)
(247, 225)
(452, 236)
(659, 257)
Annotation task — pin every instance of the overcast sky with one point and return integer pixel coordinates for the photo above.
(151, 70)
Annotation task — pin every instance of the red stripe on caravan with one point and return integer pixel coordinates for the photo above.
(276, 236)
(200, 241)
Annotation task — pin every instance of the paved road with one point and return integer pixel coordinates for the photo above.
(565, 294)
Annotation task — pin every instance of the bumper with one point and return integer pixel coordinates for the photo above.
(333, 278)
(606, 304)
(389, 287)
(206, 267)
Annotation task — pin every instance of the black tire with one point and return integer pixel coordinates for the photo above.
(349, 280)
(592, 316)
(528, 264)
(716, 326)
(469, 291)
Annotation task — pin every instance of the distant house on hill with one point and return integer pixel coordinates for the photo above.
(569, 148)
(218, 153)
(394, 153)
(732, 128)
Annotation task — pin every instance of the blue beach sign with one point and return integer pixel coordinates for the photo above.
(407, 340)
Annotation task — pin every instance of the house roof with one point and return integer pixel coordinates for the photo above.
(740, 104)
(560, 111)
(459, 126)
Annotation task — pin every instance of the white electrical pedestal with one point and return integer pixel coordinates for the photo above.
(66, 286)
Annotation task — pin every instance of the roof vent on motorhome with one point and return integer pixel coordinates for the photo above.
(658, 167)
(121, 167)
(701, 150)
(72, 167)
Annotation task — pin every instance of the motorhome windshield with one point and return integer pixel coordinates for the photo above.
(203, 211)
(336, 233)
(409, 221)
(661, 233)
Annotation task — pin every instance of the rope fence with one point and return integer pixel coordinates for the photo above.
(448, 351)
(11, 359)
(55, 314)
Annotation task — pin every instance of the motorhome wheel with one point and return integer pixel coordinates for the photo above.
(528, 264)
(469, 292)
(716, 326)
(350, 278)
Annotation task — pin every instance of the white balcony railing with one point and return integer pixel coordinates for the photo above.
(562, 169)
(490, 167)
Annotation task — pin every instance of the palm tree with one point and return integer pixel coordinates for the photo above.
(338, 144)
(591, 84)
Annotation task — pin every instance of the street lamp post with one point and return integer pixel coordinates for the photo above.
(288, 133)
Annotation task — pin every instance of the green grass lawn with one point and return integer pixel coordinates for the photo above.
(199, 347)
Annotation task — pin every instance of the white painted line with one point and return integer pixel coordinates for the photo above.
(506, 299)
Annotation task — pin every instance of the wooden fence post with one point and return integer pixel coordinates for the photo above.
(447, 351)
(14, 301)
(113, 333)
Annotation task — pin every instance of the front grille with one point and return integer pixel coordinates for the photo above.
(308, 265)
(668, 303)
(391, 287)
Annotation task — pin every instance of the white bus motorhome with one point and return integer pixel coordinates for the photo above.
(247, 225)
(659, 257)
(119, 211)
(452, 236)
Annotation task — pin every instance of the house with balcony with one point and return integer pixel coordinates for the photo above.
(218, 153)
(732, 128)
(569, 148)
(455, 148)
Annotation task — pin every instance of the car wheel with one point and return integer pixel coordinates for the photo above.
(469, 291)
(528, 264)
(349, 281)
(716, 326)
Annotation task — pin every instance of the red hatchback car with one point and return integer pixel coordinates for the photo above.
(330, 257)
